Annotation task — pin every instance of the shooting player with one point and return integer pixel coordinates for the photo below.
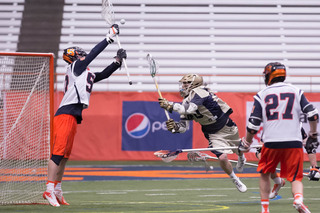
(203, 106)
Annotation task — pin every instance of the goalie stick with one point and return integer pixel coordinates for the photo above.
(153, 66)
(168, 156)
(108, 14)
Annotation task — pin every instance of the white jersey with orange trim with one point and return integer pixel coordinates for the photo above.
(281, 108)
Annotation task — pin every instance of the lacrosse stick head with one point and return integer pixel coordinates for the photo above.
(195, 157)
(107, 12)
(199, 156)
(165, 155)
(153, 66)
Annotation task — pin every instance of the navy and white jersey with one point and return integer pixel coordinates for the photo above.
(278, 108)
(206, 109)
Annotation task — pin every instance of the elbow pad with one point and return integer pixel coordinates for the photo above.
(183, 125)
(192, 108)
(313, 115)
(312, 112)
(253, 125)
(179, 108)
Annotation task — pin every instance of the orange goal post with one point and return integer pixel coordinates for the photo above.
(26, 121)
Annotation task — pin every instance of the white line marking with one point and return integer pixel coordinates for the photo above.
(212, 195)
(159, 194)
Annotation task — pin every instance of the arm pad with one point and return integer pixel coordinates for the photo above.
(253, 125)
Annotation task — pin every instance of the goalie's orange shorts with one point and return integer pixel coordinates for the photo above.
(65, 128)
(290, 159)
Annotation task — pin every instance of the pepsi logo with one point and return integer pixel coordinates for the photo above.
(137, 125)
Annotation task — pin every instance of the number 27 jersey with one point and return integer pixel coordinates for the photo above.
(279, 107)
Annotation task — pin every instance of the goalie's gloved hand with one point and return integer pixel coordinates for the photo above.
(172, 125)
(244, 145)
(114, 30)
(312, 145)
(314, 174)
(121, 54)
(165, 104)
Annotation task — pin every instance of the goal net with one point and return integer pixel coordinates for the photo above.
(26, 102)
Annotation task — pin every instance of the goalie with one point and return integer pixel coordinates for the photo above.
(203, 106)
(79, 81)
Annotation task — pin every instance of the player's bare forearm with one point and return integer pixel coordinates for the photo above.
(313, 126)
(249, 137)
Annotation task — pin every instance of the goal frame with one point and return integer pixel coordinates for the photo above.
(51, 81)
(51, 57)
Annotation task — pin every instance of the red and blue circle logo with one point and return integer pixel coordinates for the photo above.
(137, 125)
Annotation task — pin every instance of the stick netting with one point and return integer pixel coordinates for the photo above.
(24, 128)
(107, 12)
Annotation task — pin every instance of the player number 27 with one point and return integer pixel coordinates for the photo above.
(272, 102)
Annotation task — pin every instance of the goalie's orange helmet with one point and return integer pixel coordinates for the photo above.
(274, 72)
(71, 54)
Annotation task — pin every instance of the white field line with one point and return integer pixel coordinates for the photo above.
(163, 194)
(212, 195)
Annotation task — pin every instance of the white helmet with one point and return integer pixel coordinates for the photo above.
(189, 82)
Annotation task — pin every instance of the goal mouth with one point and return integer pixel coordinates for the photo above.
(26, 113)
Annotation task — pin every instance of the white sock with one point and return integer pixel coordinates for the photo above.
(233, 175)
(264, 205)
(277, 180)
(298, 197)
(50, 186)
(58, 187)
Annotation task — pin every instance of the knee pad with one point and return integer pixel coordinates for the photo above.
(56, 159)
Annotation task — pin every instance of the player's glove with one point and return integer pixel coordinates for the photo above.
(165, 104)
(312, 145)
(244, 145)
(114, 30)
(121, 54)
(314, 174)
(172, 126)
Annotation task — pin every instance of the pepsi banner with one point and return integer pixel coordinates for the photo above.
(144, 128)
(131, 126)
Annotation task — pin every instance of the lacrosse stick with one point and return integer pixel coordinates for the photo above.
(108, 14)
(164, 154)
(196, 157)
(199, 156)
(153, 71)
